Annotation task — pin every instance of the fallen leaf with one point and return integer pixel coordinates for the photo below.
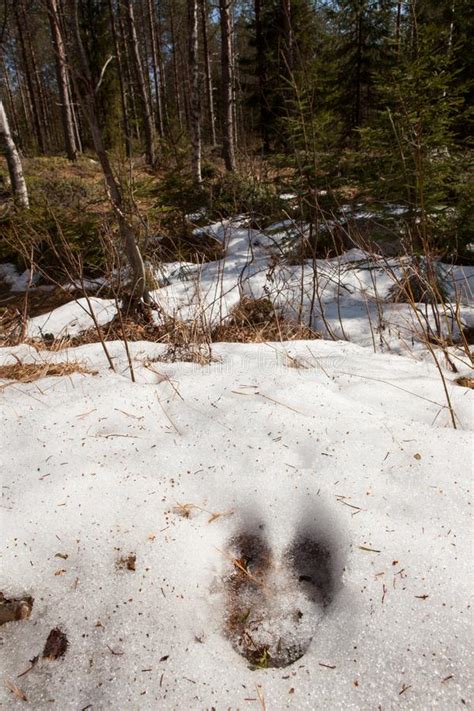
(56, 645)
(127, 562)
(12, 609)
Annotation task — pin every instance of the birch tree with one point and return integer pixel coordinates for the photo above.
(13, 161)
(195, 108)
(207, 68)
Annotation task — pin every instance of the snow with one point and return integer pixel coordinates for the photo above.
(333, 461)
(16, 281)
(322, 442)
(348, 297)
(72, 318)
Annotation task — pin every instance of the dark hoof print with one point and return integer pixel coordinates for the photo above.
(274, 605)
(312, 562)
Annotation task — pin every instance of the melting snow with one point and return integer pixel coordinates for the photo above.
(351, 448)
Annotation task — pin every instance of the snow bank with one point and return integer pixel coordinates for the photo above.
(320, 442)
(348, 297)
(72, 318)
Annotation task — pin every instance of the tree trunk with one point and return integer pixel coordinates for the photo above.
(38, 81)
(25, 104)
(228, 151)
(161, 67)
(16, 127)
(195, 108)
(13, 161)
(115, 195)
(141, 83)
(287, 38)
(174, 45)
(144, 53)
(262, 77)
(62, 78)
(156, 71)
(398, 27)
(358, 87)
(207, 68)
(133, 114)
(123, 96)
(75, 119)
(30, 84)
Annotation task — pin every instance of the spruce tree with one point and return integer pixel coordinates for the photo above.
(412, 146)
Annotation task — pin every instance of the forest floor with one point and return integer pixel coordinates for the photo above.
(276, 522)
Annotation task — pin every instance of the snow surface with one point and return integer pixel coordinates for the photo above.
(325, 440)
(16, 281)
(348, 297)
(72, 318)
(345, 444)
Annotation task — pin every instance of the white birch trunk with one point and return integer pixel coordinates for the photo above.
(195, 112)
(13, 161)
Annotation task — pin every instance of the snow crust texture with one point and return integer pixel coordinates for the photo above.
(124, 506)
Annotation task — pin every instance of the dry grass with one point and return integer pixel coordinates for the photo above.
(10, 326)
(188, 247)
(252, 321)
(466, 382)
(257, 321)
(29, 372)
(188, 510)
(416, 287)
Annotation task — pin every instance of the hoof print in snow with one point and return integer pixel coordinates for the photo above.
(274, 604)
(12, 609)
(56, 645)
(127, 562)
(312, 564)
